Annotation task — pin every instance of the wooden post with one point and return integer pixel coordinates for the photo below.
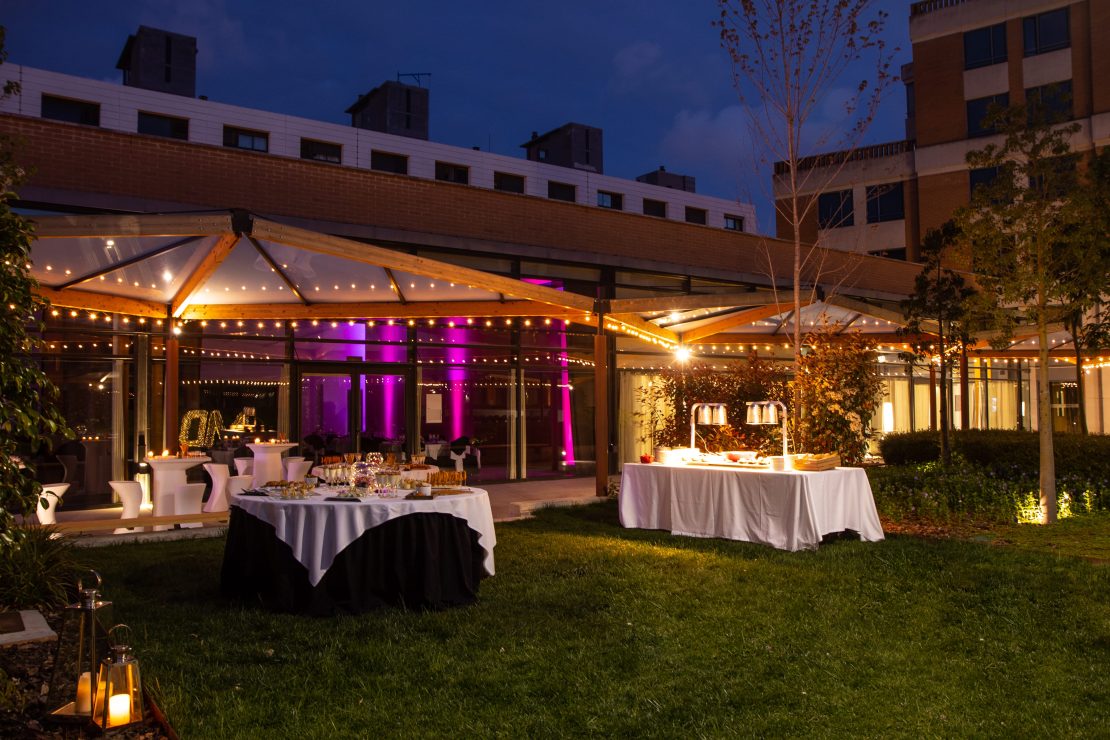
(601, 407)
(170, 389)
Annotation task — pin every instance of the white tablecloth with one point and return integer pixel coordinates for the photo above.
(317, 530)
(789, 510)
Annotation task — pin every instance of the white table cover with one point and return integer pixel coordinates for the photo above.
(790, 510)
(317, 530)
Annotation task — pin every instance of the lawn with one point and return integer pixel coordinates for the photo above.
(592, 629)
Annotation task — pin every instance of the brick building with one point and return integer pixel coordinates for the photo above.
(967, 54)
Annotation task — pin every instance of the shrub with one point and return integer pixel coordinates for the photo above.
(38, 570)
(998, 487)
(1012, 455)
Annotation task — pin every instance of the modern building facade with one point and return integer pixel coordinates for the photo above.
(967, 55)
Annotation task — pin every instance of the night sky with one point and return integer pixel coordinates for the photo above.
(651, 73)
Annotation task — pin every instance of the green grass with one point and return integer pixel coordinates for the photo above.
(1086, 536)
(589, 628)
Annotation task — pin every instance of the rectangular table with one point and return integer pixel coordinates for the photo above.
(316, 556)
(790, 510)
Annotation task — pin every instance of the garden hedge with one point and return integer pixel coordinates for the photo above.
(1007, 454)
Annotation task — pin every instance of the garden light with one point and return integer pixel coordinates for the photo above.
(82, 642)
(119, 695)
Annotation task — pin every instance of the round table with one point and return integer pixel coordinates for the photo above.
(320, 555)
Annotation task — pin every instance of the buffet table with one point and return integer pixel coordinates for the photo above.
(790, 510)
(318, 557)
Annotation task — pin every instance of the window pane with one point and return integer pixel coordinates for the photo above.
(321, 151)
(884, 203)
(560, 191)
(452, 173)
(386, 162)
(734, 223)
(508, 183)
(71, 111)
(170, 127)
(655, 208)
(1050, 103)
(614, 201)
(979, 109)
(985, 46)
(1045, 32)
(695, 215)
(982, 177)
(834, 210)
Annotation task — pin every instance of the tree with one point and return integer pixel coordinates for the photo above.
(1020, 230)
(837, 381)
(1087, 315)
(940, 303)
(28, 417)
(787, 57)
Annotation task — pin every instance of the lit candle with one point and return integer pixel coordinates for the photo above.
(84, 693)
(258, 440)
(165, 453)
(119, 709)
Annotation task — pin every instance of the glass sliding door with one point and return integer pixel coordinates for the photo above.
(353, 410)
(326, 412)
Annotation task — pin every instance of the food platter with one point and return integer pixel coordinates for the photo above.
(743, 464)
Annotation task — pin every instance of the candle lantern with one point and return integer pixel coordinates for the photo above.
(82, 642)
(119, 694)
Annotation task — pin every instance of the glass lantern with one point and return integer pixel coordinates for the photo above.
(82, 642)
(119, 694)
(362, 476)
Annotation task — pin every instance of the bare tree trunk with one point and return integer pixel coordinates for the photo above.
(1044, 430)
(945, 447)
(1073, 328)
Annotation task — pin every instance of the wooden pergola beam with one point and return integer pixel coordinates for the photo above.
(878, 312)
(382, 310)
(633, 325)
(372, 254)
(129, 225)
(739, 318)
(884, 338)
(685, 302)
(90, 301)
(215, 257)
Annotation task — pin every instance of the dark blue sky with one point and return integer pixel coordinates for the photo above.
(651, 73)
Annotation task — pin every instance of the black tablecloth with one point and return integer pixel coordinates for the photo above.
(428, 560)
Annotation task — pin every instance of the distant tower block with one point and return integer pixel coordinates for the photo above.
(154, 59)
(665, 179)
(393, 108)
(571, 145)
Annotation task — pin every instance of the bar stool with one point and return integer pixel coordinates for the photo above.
(52, 495)
(238, 484)
(244, 465)
(298, 469)
(187, 500)
(217, 499)
(130, 494)
(289, 460)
